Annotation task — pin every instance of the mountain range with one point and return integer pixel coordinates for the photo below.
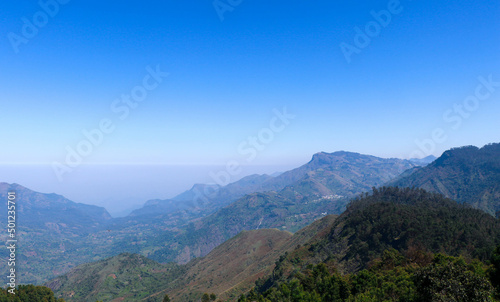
(413, 222)
(322, 186)
(62, 235)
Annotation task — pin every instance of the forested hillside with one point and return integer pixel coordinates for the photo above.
(467, 174)
(412, 223)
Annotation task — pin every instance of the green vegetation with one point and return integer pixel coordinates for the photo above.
(230, 269)
(495, 271)
(402, 218)
(29, 293)
(383, 246)
(406, 219)
(126, 276)
(412, 222)
(207, 298)
(451, 279)
(467, 174)
(393, 277)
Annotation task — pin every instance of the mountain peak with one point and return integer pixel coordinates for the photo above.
(327, 158)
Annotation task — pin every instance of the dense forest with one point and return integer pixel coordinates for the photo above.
(466, 174)
(406, 218)
(29, 293)
(415, 277)
(393, 245)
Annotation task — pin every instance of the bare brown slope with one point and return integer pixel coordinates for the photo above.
(234, 266)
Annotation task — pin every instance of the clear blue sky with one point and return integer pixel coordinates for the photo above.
(226, 77)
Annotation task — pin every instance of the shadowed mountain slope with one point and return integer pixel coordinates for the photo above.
(466, 174)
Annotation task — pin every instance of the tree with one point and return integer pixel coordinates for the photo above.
(29, 293)
(242, 298)
(166, 298)
(495, 271)
(205, 298)
(450, 279)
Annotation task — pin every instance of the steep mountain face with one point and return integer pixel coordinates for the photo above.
(347, 170)
(233, 266)
(468, 174)
(345, 174)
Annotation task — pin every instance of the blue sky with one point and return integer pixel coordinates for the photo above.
(227, 76)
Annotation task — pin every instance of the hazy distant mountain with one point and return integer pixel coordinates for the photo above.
(49, 228)
(466, 174)
(159, 207)
(322, 186)
(198, 190)
(53, 212)
(423, 161)
(198, 202)
(204, 199)
(343, 173)
(234, 190)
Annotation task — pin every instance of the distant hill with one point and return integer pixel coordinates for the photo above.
(230, 192)
(343, 173)
(322, 186)
(234, 266)
(228, 270)
(54, 212)
(48, 226)
(126, 277)
(468, 174)
(202, 199)
(345, 168)
(423, 161)
(348, 170)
